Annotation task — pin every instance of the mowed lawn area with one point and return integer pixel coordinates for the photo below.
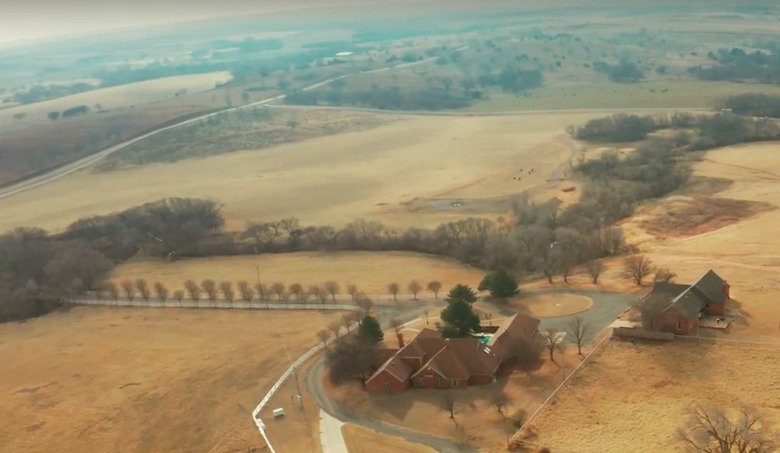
(142, 380)
(370, 271)
(633, 397)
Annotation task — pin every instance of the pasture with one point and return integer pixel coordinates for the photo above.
(114, 376)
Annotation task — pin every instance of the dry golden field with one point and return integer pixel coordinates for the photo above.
(140, 380)
(123, 96)
(370, 271)
(387, 173)
(633, 396)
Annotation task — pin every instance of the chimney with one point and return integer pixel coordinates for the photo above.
(727, 289)
(400, 340)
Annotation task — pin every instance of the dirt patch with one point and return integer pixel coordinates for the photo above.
(552, 305)
(681, 216)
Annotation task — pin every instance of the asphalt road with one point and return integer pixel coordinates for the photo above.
(606, 308)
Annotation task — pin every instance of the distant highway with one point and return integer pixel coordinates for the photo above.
(90, 160)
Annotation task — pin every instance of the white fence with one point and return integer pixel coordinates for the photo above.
(214, 305)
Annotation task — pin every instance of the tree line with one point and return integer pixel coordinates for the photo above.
(739, 65)
(213, 291)
(753, 104)
(386, 98)
(694, 132)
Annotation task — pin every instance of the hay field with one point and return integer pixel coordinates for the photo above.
(370, 271)
(122, 96)
(140, 380)
(329, 180)
(633, 396)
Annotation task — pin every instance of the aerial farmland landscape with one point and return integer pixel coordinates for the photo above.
(401, 226)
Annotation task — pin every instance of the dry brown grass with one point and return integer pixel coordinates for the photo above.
(298, 430)
(682, 216)
(329, 180)
(118, 97)
(370, 271)
(364, 440)
(633, 397)
(552, 305)
(108, 379)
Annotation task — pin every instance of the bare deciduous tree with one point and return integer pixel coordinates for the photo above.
(178, 295)
(414, 288)
(246, 291)
(594, 270)
(714, 430)
(112, 290)
(335, 328)
(352, 290)
(297, 290)
(278, 289)
(347, 319)
(161, 291)
(316, 291)
(193, 290)
(553, 341)
(128, 287)
(210, 288)
(365, 303)
(664, 275)
(323, 335)
(263, 292)
(143, 288)
(393, 289)
(500, 400)
(396, 325)
(332, 288)
(434, 287)
(226, 288)
(580, 330)
(448, 402)
(637, 267)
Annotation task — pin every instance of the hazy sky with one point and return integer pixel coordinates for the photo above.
(32, 19)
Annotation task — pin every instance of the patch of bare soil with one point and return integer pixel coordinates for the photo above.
(682, 216)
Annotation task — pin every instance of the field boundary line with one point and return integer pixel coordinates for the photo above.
(552, 395)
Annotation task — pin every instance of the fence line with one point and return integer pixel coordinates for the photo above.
(210, 304)
(607, 336)
(727, 340)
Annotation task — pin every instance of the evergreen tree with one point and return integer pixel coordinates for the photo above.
(459, 319)
(499, 283)
(370, 329)
(462, 293)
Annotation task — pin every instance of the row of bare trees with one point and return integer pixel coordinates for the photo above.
(211, 290)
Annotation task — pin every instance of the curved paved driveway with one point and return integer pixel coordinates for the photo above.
(606, 308)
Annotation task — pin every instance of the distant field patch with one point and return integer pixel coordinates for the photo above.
(122, 96)
(652, 94)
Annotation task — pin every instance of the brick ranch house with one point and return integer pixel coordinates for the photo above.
(678, 308)
(431, 361)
